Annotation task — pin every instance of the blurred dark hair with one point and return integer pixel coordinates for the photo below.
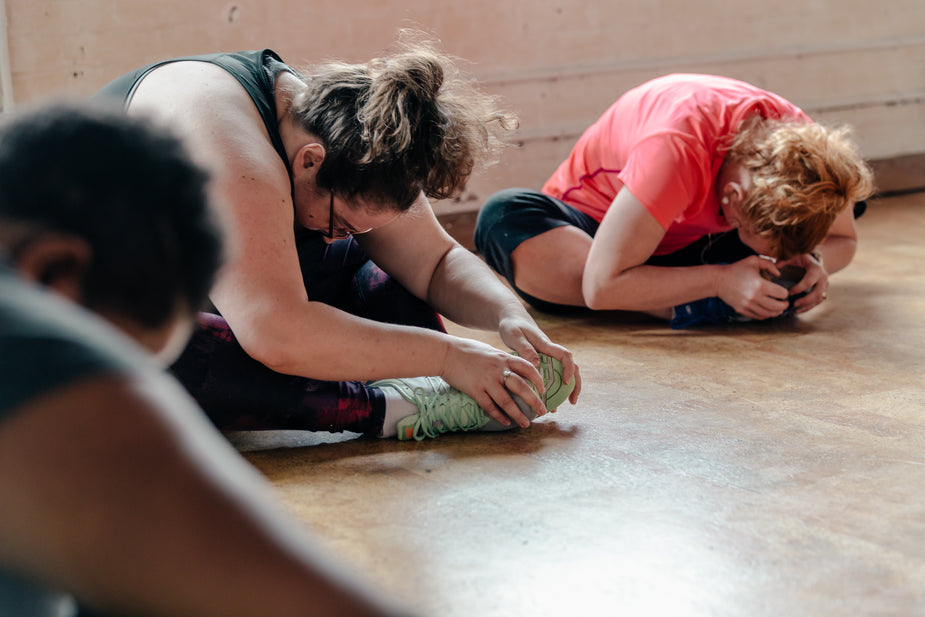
(126, 187)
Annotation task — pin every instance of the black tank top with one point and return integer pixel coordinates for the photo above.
(255, 70)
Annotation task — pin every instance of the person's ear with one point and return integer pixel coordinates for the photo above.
(732, 193)
(56, 261)
(308, 159)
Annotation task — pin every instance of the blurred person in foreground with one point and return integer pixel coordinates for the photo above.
(117, 495)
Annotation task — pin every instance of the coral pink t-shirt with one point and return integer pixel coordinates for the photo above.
(665, 141)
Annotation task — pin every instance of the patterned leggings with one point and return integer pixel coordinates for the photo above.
(239, 393)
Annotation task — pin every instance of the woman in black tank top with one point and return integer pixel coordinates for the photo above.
(342, 270)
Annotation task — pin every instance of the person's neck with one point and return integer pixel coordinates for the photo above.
(293, 136)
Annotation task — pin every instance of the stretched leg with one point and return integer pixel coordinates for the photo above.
(239, 393)
(532, 239)
(433, 407)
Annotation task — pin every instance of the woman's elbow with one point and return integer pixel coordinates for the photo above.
(269, 349)
(594, 292)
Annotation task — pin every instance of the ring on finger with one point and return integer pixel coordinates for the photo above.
(505, 375)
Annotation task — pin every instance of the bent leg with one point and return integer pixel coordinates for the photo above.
(538, 243)
(720, 248)
(239, 393)
(550, 266)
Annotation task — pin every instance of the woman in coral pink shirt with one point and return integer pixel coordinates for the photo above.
(638, 217)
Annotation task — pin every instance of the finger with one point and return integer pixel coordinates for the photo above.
(573, 397)
(752, 315)
(805, 307)
(767, 309)
(526, 349)
(775, 291)
(776, 309)
(818, 291)
(522, 368)
(807, 282)
(569, 368)
(814, 277)
(488, 406)
(800, 287)
(768, 266)
(755, 313)
(810, 300)
(777, 306)
(563, 355)
(813, 297)
(518, 386)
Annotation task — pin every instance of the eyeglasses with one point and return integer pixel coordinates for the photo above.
(338, 234)
(330, 235)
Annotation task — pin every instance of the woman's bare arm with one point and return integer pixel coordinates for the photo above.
(616, 277)
(261, 291)
(418, 252)
(117, 490)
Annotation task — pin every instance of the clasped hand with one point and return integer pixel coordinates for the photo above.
(745, 289)
(815, 282)
(491, 376)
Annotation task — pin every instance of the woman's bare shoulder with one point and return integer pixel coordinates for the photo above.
(188, 83)
(215, 115)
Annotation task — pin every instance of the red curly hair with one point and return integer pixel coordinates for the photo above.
(802, 176)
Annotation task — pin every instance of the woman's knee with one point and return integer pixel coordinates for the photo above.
(506, 219)
(497, 212)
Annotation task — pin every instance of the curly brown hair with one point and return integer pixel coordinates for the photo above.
(399, 125)
(802, 176)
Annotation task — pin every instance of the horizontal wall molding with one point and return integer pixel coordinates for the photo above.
(558, 65)
(574, 131)
(893, 176)
(884, 100)
(738, 56)
(885, 103)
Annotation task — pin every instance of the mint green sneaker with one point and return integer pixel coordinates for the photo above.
(441, 408)
(557, 391)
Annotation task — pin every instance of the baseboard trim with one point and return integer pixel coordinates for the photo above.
(900, 175)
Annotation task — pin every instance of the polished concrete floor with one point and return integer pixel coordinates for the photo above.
(770, 469)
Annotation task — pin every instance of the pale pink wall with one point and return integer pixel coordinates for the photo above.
(558, 63)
